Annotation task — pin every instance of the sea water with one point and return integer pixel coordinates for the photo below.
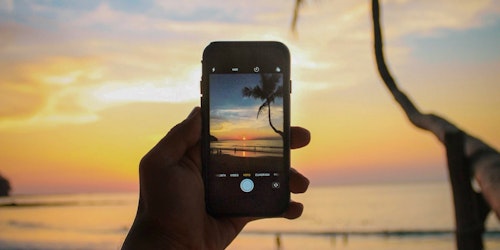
(383, 216)
(248, 148)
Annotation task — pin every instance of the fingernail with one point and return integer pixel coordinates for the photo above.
(193, 112)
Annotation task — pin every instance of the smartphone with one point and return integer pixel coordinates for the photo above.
(245, 102)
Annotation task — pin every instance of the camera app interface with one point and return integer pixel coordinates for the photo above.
(246, 130)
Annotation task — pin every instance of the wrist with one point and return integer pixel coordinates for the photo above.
(147, 234)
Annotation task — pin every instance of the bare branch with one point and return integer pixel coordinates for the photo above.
(295, 18)
(483, 159)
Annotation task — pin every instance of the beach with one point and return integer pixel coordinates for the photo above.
(226, 163)
(381, 216)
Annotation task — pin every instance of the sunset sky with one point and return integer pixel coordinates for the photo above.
(233, 116)
(88, 87)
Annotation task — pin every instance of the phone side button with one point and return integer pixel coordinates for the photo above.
(290, 86)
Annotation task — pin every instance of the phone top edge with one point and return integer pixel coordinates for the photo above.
(264, 44)
(244, 43)
(245, 54)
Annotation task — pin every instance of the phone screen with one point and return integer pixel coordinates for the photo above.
(247, 163)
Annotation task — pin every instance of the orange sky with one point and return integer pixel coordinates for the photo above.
(87, 88)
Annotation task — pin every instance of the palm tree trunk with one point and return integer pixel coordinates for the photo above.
(270, 122)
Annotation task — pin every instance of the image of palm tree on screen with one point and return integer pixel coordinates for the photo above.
(267, 90)
(240, 140)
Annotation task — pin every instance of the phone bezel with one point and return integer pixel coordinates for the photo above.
(246, 55)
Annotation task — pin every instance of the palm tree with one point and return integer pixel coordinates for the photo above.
(267, 90)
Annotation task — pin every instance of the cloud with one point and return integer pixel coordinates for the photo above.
(166, 90)
(235, 123)
(68, 62)
(127, 63)
(75, 90)
(429, 17)
(45, 91)
(239, 12)
(19, 101)
(338, 36)
(7, 6)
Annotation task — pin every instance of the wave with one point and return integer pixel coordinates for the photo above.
(27, 225)
(61, 203)
(380, 233)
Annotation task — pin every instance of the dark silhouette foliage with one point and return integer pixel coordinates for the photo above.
(4, 186)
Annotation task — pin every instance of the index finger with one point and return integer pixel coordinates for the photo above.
(299, 137)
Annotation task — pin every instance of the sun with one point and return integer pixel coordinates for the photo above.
(244, 138)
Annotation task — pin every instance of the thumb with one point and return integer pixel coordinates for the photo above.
(179, 139)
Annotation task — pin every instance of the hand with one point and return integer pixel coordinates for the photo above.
(171, 212)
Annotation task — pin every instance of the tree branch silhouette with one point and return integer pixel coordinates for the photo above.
(484, 160)
(295, 17)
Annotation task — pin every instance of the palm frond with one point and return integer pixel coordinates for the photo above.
(255, 92)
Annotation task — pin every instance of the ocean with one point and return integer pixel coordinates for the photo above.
(248, 148)
(382, 216)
